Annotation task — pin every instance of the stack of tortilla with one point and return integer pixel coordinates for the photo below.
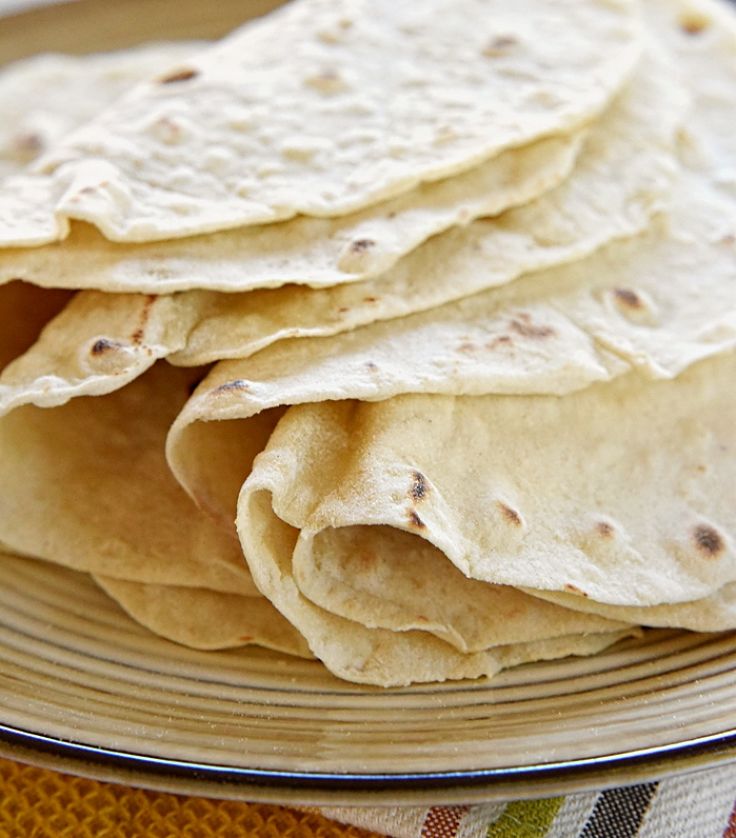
(397, 335)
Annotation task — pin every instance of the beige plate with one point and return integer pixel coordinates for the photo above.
(84, 689)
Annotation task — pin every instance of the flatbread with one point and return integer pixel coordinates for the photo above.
(655, 304)
(525, 491)
(582, 214)
(311, 251)
(86, 485)
(294, 113)
(45, 97)
(716, 612)
(205, 619)
(212, 620)
(351, 650)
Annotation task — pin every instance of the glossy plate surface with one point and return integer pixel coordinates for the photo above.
(84, 689)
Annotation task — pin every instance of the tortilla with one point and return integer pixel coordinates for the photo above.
(509, 494)
(311, 251)
(44, 97)
(234, 137)
(716, 612)
(349, 649)
(86, 485)
(590, 208)
(656, 304)
(205, 619)
(212, 620)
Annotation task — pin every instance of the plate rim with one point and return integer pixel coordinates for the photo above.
(316, 787)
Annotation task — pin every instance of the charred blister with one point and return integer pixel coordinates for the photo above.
(419, 488)
(103, 346)
(708, 540)
(509, 514)
(415, 520)
(238, 385)
(605, 529)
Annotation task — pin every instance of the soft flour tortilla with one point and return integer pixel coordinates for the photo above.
(591, 207)
(295, 113)
(408, 587)
(42, 99)
(657, 304)
(310, 251)
(212, 620)
(716, 612)
(204, 619)
(215, 620)
(86, 485)
(372, 655)
(45, 97)
(526, 491)
(612, 191)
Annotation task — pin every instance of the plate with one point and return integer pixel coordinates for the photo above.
(85, 689)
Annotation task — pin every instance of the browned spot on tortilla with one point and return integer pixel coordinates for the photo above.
(370, 299)
(422, 619)
(391, 214)
(524, 327)
(343, 309)
(573, 589)
(361, 245)
(179, 75)
(145, 313)
(371, 366)
(232, 386)
(99, 347)
(419, 488)
(693, 23)
(246, 638)
(28, 143)
(603, 528)
(628, 297)
(499, 341)
(511, 515)
(499, 45)
(415, 520)
(467, 347)
(708, 540)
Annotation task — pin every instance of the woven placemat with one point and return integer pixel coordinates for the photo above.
(38, 803)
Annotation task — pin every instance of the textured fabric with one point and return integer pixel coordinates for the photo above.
(701, 805)
(35, 803)
(45, 804)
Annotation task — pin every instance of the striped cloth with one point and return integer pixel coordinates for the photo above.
(701, 805)
(40, 803)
